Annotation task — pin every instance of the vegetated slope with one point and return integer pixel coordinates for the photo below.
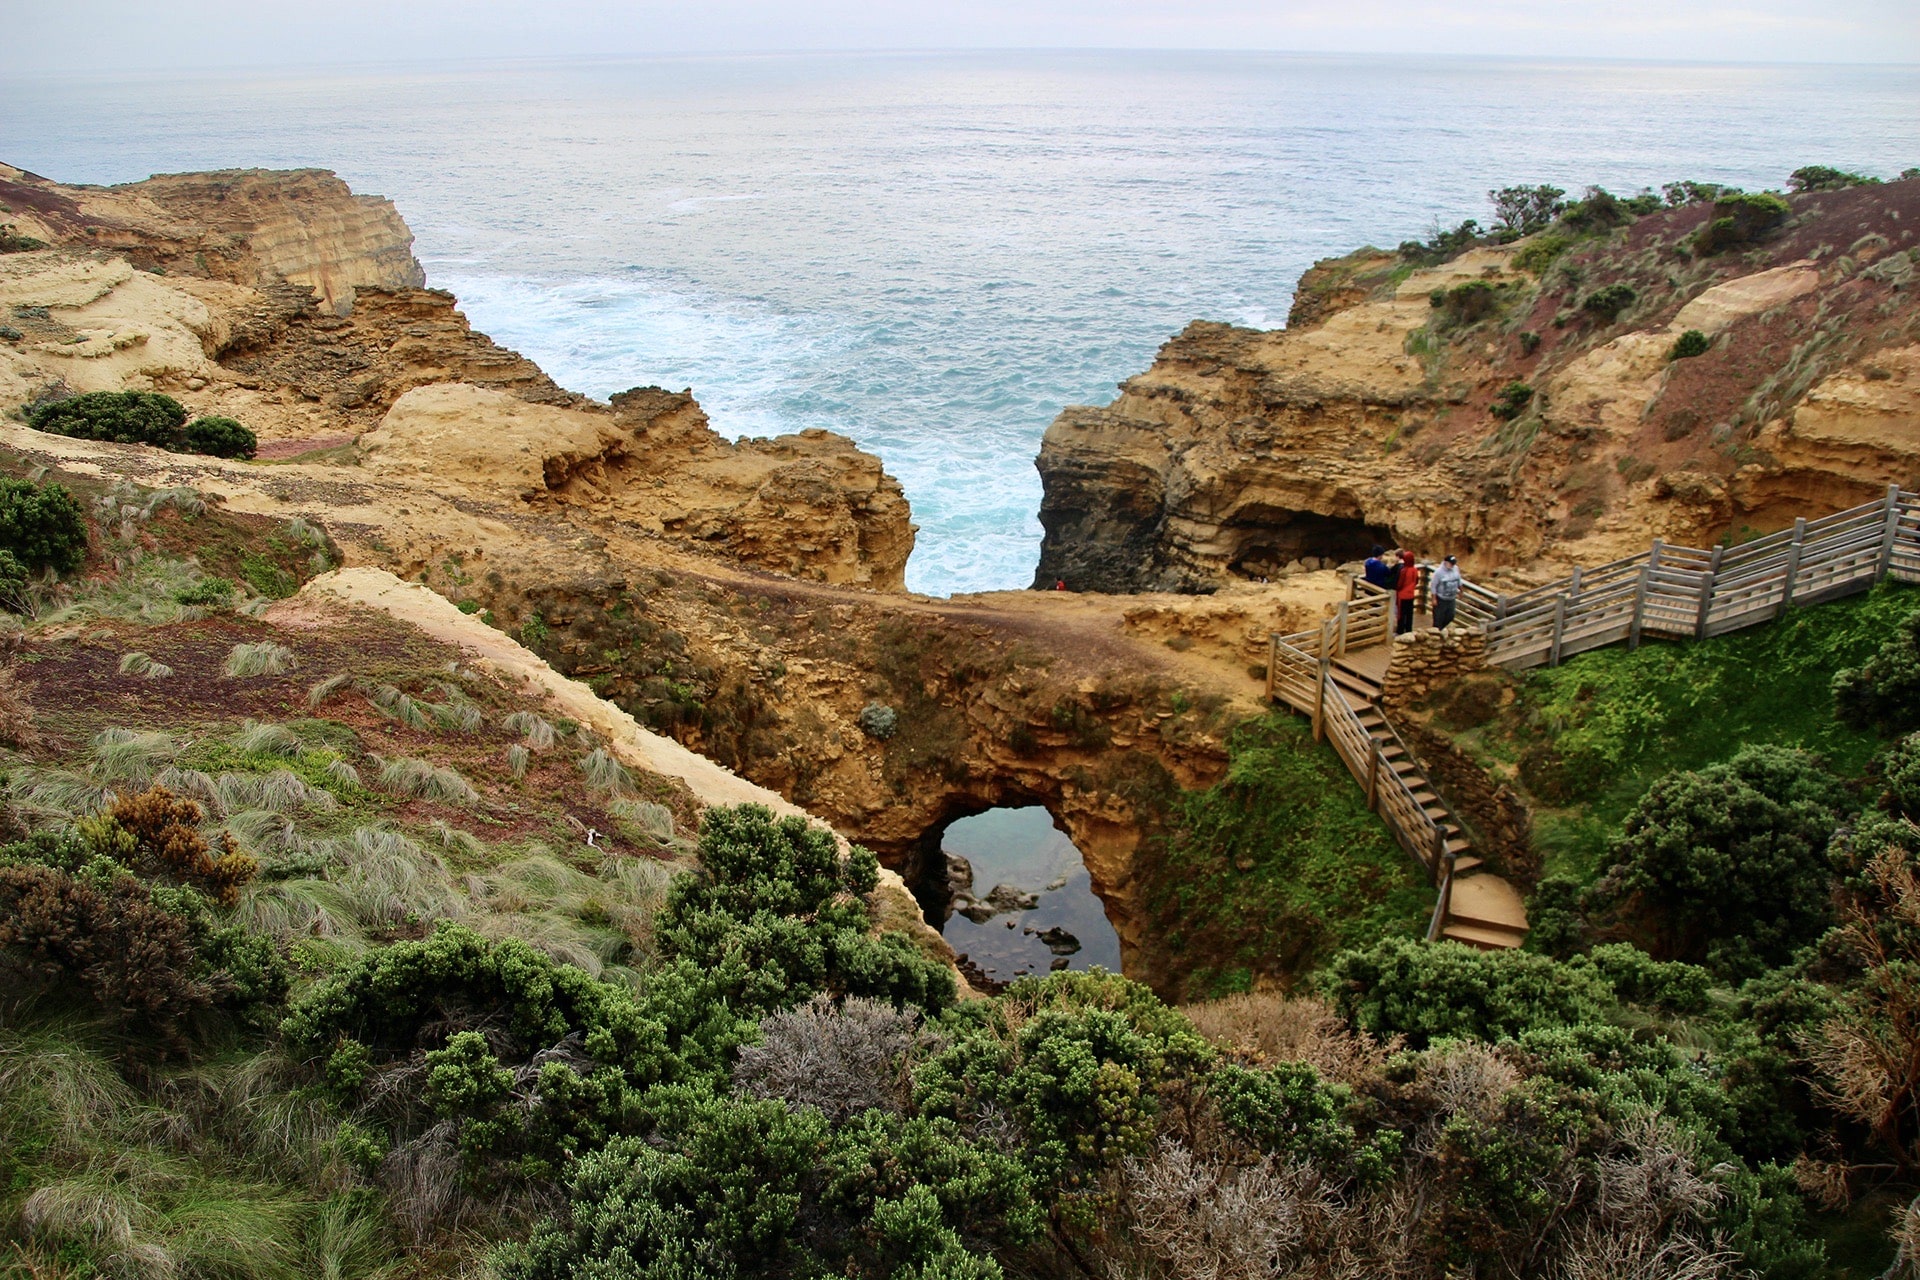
(1514, 398)
(1585, 740)
(1267, 873)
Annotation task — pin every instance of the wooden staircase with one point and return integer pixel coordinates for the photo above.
(1479, 908)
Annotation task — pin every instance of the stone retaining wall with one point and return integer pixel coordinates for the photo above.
(1498, 822)
(1424, 660)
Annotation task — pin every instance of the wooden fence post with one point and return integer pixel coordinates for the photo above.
(1793, 564)
(1573, 588)
(1890, 532)
(1640, 594)
(1340, 645)
(1373, 775)
(1320, 682)
(1273, 660)
(1706, 593)
(1559, 629)
(1439, 851)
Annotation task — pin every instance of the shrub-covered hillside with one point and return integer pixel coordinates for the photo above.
(309, 967)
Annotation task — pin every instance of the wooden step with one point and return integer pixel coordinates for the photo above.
(1486, 901)
(1483, 938)
(1461, 866)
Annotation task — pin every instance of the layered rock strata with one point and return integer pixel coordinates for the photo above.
(1373, 418)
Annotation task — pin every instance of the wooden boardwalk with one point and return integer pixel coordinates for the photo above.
(1335, 675)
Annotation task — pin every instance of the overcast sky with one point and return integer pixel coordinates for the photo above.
(85, 35)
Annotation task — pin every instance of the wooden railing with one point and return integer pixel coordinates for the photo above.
(1667, 590)
(1671, 590)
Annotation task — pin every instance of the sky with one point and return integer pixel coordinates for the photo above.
(80, 36)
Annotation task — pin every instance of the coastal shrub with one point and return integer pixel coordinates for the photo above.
(12, 241)
(1442, 243)
(1727, 865)
(1899, 770)
(1820, 177)
(1689, 344)
(1608, 302)
(1882, 694)
(877, 720)
(42, 526)
(1468, 302)
(1739, 218)
(843, 1058)
(141, 417)
(1521, 211)
(1599, 210)
(775, 916)
(1529, 342)
(157, 835)
(153, 958)
(219, 438)
(1428, 991)
(1512, 401)
(216, 593)
(1679, 194)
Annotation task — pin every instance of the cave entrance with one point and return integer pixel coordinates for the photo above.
(1011, 894)
(1272, 539)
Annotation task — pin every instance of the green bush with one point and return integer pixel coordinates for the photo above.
(1882, 694)
(1727, 865)
(1820, 177)
(775, 915)
(11, 241)
(1689, 344)
(1468, 302)
(125, 417)
(219, 438)
(1608, 302)
(1521, 211)
(13, 583)
(1429, 991)
(213, 592)
(42, 526)
(1739, 218)
(1511, 402)
(141, 417)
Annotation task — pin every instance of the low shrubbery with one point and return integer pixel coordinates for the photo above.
(42, 527)
(142, 417)
(1689, 344)
(1739, 219)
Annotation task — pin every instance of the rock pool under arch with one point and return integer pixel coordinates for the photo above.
(1044, 906)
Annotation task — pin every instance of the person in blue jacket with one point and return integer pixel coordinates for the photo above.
(1378, 572)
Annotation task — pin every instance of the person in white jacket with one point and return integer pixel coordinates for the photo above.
(1446, 590)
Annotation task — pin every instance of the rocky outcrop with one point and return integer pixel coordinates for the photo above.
(1373, 418)
(244, 226)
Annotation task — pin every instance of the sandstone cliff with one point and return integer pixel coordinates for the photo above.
(1243, 453)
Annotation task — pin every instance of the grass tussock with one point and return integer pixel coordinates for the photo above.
(261, 658)
(425, 780)
(517, 759)
(124, 755)
(256, 738)
(535, 731)
(320, 691)
(135, 663)
(19, 724)
(604, 773)
(403, 707)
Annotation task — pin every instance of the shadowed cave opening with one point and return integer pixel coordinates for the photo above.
(1271, 538)
(1008, 890)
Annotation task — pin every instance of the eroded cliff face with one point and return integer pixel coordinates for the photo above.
(286, 302)
(243, 226)
(1244, 454)
(741, 597)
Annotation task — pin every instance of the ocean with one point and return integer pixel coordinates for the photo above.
(933, 253)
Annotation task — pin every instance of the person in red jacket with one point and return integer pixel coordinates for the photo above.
(1406, 587)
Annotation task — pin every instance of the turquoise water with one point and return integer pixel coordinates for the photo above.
(934, 253)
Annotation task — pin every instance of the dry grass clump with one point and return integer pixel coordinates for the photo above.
(408, 710)
(426, 781)
(1278, 1028)
(262, 658)
(256, 738)
(655, 820)
(517, 760)
(534, 730)
(843, 1060)
(604, 773)
(282, 791)
(123, 755)
(320, 691)
(135, 663)
(18, 726)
